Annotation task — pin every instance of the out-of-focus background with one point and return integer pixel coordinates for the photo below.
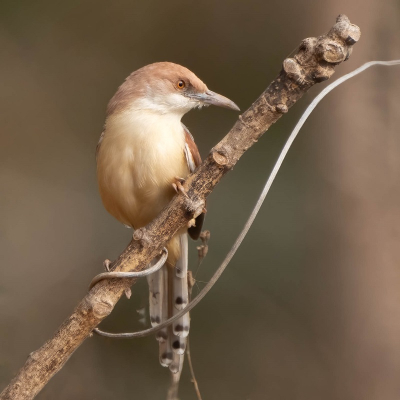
(309, 308)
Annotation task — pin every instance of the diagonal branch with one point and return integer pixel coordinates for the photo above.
(314, 62)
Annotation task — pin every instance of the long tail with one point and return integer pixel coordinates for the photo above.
(168, 294)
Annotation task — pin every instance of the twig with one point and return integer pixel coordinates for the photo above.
(202, 250)
(191, 281)
(134, 274)
(194, 380)
(172, 393)
(314, 62)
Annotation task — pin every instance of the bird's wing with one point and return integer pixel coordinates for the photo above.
(191, 151)
(193, 160)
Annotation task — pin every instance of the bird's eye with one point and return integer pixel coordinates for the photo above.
(180, 84)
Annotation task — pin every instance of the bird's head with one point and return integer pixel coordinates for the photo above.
(165, 88)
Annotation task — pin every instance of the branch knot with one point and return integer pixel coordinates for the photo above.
(102, 309)
(142, 236)
(220, 156)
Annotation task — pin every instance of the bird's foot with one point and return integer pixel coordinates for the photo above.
(178, 186)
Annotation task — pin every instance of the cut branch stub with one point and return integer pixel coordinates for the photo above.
(317, 57)
(220, 158)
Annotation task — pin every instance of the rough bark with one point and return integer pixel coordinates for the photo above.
(314, 62)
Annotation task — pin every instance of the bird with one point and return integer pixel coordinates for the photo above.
(143, 156)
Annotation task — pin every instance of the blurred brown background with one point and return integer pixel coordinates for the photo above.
(310, 306)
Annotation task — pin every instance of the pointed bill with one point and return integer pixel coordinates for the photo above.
(215, 99)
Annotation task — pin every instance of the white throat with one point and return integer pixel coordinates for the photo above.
(172, 103)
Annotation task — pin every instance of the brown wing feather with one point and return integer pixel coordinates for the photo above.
(194, 160)
(193, 150)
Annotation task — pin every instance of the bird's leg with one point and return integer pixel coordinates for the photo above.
(178, 186)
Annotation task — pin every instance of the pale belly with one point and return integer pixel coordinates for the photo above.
(135, 174)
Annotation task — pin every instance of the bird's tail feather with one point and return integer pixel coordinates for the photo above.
(168, 294)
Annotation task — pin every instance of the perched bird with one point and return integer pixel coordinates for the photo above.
(143, 155)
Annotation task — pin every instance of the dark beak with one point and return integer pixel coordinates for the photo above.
(215, 99)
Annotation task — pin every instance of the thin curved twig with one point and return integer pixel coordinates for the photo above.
(135, 274)
(256, 209)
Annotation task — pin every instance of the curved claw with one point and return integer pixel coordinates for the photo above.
(178, 186)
